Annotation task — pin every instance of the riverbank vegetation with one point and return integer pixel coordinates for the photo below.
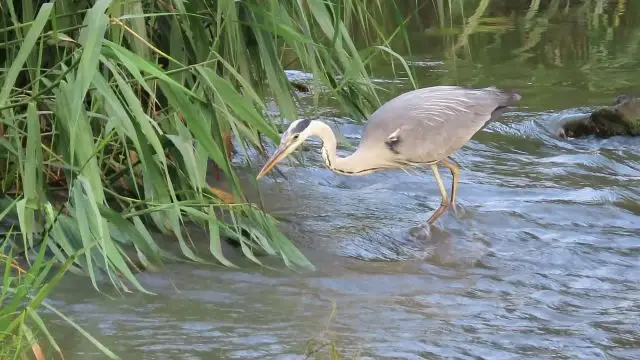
(23, 289)
(114, 114)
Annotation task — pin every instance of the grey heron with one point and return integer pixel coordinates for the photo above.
(419, 128)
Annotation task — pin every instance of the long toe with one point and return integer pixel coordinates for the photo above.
(438, 213)
(458, 210)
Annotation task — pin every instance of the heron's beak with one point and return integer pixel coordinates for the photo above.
(280, 154)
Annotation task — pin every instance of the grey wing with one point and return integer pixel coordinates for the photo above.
(429, 124)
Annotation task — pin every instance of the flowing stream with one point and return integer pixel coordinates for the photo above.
(541, 262)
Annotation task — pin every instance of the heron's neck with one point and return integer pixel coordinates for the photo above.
(353, 164)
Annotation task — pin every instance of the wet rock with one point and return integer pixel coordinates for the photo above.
(576, 126)
(621, 119)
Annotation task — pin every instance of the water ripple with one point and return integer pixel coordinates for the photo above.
(541, 261)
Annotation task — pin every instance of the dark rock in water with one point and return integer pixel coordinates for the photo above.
(577, 127)
(621, 119)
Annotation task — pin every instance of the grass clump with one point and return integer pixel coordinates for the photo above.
(24, 287)
(113, 114)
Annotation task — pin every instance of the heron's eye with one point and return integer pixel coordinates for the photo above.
(295, 136)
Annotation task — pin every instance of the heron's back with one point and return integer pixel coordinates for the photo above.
(428, 124)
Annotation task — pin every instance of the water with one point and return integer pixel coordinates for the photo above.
(542, 261)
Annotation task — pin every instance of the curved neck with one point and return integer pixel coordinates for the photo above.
(349, 165)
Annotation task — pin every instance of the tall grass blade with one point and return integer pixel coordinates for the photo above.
(27, 46)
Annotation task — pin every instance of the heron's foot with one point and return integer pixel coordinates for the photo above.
(443, 207)
(462, 213)
(421, 232)
(452, 206)
(458, 210)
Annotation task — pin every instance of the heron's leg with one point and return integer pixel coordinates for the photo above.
(454, 167)
(444, 204)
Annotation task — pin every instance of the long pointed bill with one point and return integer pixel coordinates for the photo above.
(280, 154)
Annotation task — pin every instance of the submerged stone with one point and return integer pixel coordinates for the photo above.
(621, 119)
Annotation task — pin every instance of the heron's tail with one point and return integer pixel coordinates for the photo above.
(504, 98)
(515, 95)
(509, 98)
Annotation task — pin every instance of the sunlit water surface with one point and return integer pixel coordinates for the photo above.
(542, 260)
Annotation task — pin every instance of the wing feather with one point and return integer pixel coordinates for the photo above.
(428, 124)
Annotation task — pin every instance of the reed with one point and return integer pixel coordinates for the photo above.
(113, 115)
(23, 291)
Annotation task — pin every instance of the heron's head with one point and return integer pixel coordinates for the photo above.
(295, 135)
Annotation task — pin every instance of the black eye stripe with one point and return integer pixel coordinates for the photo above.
(301, 125)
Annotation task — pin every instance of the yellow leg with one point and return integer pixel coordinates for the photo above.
(444, 204)
(454, 167)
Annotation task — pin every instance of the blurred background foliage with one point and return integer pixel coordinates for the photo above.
(536, 43)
